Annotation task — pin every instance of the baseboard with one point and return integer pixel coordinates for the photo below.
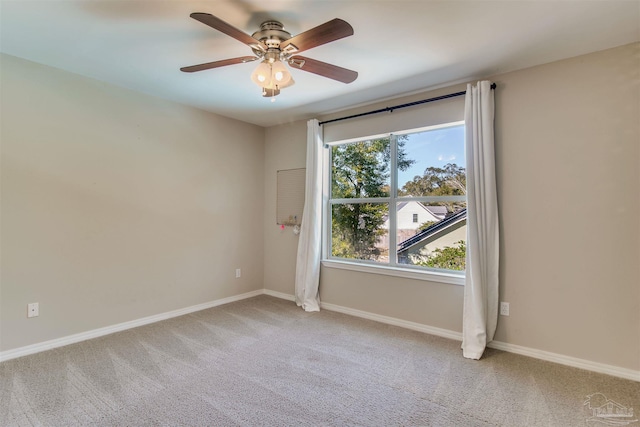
(376, 317)
(280, 295)
(574, 362)
(72, 339)
(431, 330)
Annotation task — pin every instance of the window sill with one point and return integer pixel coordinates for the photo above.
(409, 273)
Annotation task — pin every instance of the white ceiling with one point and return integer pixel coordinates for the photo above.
(399, 46)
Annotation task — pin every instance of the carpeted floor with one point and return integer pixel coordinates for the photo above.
(265, 362)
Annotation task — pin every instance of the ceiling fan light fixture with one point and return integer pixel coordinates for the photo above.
(262, 74)
(280, 75)
(272, 76)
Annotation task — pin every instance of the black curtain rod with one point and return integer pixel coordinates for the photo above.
(397, 107)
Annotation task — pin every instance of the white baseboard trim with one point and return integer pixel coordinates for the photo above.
(431, 330)
(280, 295)
(574, 362)
(376, 317)
(95, 333)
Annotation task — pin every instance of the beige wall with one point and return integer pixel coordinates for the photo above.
(117, 205)
(567, 142)
(286, 149)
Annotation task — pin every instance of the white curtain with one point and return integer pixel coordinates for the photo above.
(480, 314)
(309, 245)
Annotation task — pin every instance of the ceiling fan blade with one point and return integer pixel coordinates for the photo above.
(228, 29)
(323, 69)
(216, 64)
(325, 33)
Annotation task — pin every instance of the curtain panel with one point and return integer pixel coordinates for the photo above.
(480, 313)
(309, 246)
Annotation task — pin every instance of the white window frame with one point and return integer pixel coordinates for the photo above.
(365, 266)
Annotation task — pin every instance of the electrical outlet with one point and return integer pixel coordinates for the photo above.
(33, 309)
(504, 308)
(238, 272)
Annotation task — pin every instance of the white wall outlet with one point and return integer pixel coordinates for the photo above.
(33, 309)
(238, 272)
(504, 308)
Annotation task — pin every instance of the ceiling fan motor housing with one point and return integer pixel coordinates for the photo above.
(271, 33)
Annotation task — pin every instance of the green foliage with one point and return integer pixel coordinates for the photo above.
(340, 247)
(450, 180)
(425, 225)
(356, 228)
(448, 257)
(360, 169)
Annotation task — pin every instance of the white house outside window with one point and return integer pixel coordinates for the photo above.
(379, 187)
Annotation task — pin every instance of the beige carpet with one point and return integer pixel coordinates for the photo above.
(265, 362)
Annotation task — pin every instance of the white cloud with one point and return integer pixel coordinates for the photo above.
(442, 158)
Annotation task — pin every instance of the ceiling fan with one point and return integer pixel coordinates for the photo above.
(275, 46)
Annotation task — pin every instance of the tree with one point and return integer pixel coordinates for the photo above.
(450, 180)
(361, 170)
(448, 257)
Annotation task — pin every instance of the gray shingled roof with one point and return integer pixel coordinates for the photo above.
(439, 211)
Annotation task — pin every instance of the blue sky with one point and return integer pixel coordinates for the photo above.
(433, 148)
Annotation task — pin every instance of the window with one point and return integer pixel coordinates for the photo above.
(380, 186)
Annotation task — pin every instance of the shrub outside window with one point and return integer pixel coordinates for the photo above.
(380, 186)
